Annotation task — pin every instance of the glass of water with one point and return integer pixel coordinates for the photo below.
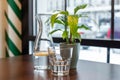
(60, 59)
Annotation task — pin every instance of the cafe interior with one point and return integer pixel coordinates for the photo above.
(29, 26)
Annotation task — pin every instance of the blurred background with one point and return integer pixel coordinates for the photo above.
(106, 28)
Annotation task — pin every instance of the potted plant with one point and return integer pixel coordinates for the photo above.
(71, 27)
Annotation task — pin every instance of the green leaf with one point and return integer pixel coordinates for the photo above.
(72, 20)
(64, 12)
(52, 19)
(59, 21)
(84, 27)
(57, 18)
(65, 34)
(61, 12)
(79, 7)
(64, 20)
(54, 31)
(76, 36)
(73, 23)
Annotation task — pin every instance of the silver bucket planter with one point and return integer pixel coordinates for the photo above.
(75, 56)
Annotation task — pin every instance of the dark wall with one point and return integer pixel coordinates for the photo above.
(25, 29)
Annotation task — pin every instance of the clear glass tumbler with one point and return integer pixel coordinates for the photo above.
(60, 59)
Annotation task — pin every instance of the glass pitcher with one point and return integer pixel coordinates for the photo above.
(42, 42)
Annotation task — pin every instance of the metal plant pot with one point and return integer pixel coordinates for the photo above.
(75, 56)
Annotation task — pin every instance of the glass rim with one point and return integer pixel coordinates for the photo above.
(59, 48)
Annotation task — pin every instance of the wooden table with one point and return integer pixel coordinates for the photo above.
(21, 68)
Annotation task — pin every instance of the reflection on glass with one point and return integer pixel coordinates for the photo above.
(115, 56)
(99, 11)
(40, 75)
(117, 25)
(59, 77)
(93, 53)
(47, 6)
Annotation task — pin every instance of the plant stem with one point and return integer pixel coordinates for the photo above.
(71, 38)
(67, 39)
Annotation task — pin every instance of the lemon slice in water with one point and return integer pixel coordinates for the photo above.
(41, 54)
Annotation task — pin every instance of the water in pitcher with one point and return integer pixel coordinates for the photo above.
(41, 60)
(42, 42)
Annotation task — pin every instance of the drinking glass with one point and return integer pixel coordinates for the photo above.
(60, 59)
(59, 77)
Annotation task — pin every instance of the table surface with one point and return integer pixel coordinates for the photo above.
(21, 68)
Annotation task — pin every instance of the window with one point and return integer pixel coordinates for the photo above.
(104, 34)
